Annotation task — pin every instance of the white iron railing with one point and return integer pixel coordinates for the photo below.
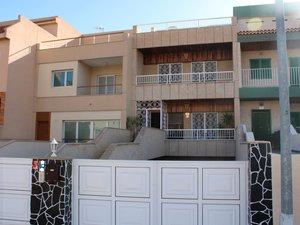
(195, 23)
(294, 76)
(221, 76)
(83, 40)
(267, 77)
(200, 134)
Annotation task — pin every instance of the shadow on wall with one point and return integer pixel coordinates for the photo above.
(20, 95)
(149, 144)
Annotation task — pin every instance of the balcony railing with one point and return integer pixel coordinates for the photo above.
(200, 134)
(99, 90)
(171, 25)
(83, 40)
(268, 77)
(222, 76)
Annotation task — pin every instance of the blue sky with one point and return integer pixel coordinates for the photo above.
(120, 14)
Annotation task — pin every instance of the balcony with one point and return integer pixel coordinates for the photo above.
(200, 134)
(183, 24)
(185, 86)
(268, 77)
(185, 78)
(186, 32)
(102, 38)
(100, 90)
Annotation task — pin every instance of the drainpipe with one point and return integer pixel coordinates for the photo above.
(286, 217)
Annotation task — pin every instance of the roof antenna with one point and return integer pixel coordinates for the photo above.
(100, 28)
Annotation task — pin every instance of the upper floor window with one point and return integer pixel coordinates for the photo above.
(294, 61)
(62, 78)
(172, 68)
(207, 66)
(261, 68)
(107, 84)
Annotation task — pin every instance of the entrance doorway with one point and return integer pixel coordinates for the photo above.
(42, 130)
(153, 118)
(261, 124)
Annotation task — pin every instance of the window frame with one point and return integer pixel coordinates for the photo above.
(257, 71)
(204, 62)
(114, 86)
(92, 127)
(65, 74)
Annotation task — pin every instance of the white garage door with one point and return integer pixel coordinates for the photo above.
(159, 193)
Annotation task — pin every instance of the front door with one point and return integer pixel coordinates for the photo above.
(261, 124)
(155, 119)
(42, 130)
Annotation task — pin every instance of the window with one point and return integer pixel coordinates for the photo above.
(207, 67)
(83, 131)
(175, 69)
(175, 121)
(295, 70)
(261, 68)
(62, 78)
(107, 84)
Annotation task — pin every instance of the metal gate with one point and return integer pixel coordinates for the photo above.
(159, 192)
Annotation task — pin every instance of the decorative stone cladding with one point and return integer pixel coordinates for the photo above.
(51, 201)
(260, 185)
(2, 106)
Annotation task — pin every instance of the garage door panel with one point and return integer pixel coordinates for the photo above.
(133, 182)
(14, 207)
(180, 183)
(132, 213)
(221, 184)
(221, 215)
(179, 214)
(95, 212)
(95, 181)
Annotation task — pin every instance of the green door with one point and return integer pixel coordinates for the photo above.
(261, 68)
(295, 120)
(295, 70)
(261, 124)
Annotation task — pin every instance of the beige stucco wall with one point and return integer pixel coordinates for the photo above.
(277, 188)
(248, 106)
(57, 119)
(202, 35)
(19, 121)
(65, 30)
(91, 51)
(247, 55)
(214, 148)
(44, 84)
(185, 91)
(59, 28)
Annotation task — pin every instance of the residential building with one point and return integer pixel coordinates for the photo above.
(198, 80)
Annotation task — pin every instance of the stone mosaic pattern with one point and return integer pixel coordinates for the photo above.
(51, 203)
(260, 185)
